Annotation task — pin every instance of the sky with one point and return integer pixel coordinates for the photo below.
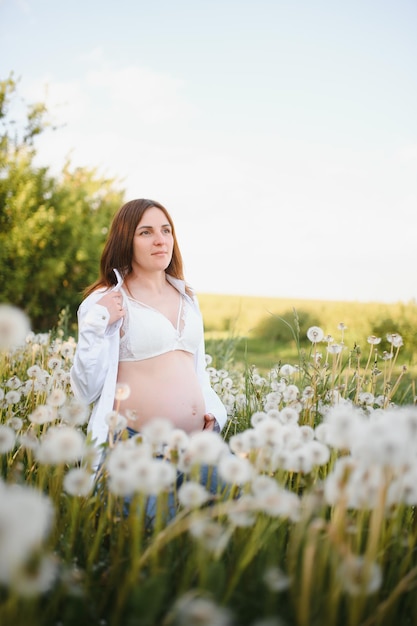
(281, 135)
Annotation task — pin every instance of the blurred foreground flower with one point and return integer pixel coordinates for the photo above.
(25, 520)
(14, 327)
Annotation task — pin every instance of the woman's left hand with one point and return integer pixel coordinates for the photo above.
(210, 423)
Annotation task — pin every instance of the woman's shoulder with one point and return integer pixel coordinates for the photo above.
(93, 297)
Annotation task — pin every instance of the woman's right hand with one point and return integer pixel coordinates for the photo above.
(113, 301)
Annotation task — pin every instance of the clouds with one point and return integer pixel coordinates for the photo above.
(284, 147)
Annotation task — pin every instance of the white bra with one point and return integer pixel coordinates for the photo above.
(146, 332)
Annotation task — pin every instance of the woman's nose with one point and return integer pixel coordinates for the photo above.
(159, 238)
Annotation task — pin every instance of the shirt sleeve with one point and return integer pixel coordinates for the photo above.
(91, 359)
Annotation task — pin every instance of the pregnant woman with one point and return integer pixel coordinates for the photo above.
(140, 325)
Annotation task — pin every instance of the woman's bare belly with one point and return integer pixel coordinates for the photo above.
(163, 386)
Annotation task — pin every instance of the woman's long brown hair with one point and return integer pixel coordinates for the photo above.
(118, 249)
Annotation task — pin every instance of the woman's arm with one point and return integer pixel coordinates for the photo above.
(91, 360)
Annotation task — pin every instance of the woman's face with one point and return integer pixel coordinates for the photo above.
(153, 241)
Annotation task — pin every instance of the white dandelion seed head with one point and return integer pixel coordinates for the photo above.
(315, 334)
(25, 520)
(153, 476)
(115, 421)
(61, 444)
(204, 448)
(14, 382)
(235, 470)
(366, 397)
(192, 610)
(344, 426)
(358, 577)
(273, 413)
(262, 483)
(42, 414)
(299, 460)
(227, 383)
(178, 440)
(306, 433)
(28, 440)
(56, 398)
(34, 371)
(243, 512)
(212, 535)
(384, 442)
(395, 340)
(374, 341)
(288, 415)
(291, 393)
(54, 363)
(122, 391)
(287, 370)
(14, 327)
(12, 397)
(32, 579)
(192, 495)
(78, 482)
(157, 431)
(68, 348)
(16, 423)
(275, 579)
(320, 453)
(121, 461)
(7, 439)
(279, 503)
(257, 417)
(279, 386)
(335, 348)
(270, 431)
(74, 413)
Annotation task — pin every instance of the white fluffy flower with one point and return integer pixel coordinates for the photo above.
(344, 426)
(36, 577)
(78, 482)
(358, 577)
(213, 536)
(61, 444)
(7, 438)
(191, 610)
(56, 398)
(115, 421)
(42, 414)
(315, 334)
(74, 413)
(157, 431)
(14, 327)
(12, 397)
(25, 520)
(192, 495)
(204, 448)
(122, 391)
(235, 470)
(288, 415)
(275, 579)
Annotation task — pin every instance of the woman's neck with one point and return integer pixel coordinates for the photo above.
(152, 283)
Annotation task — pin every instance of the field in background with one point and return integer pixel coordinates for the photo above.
(234, 316)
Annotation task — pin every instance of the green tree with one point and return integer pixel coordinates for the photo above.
(52, 228)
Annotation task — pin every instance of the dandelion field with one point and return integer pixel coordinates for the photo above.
(313, 521)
